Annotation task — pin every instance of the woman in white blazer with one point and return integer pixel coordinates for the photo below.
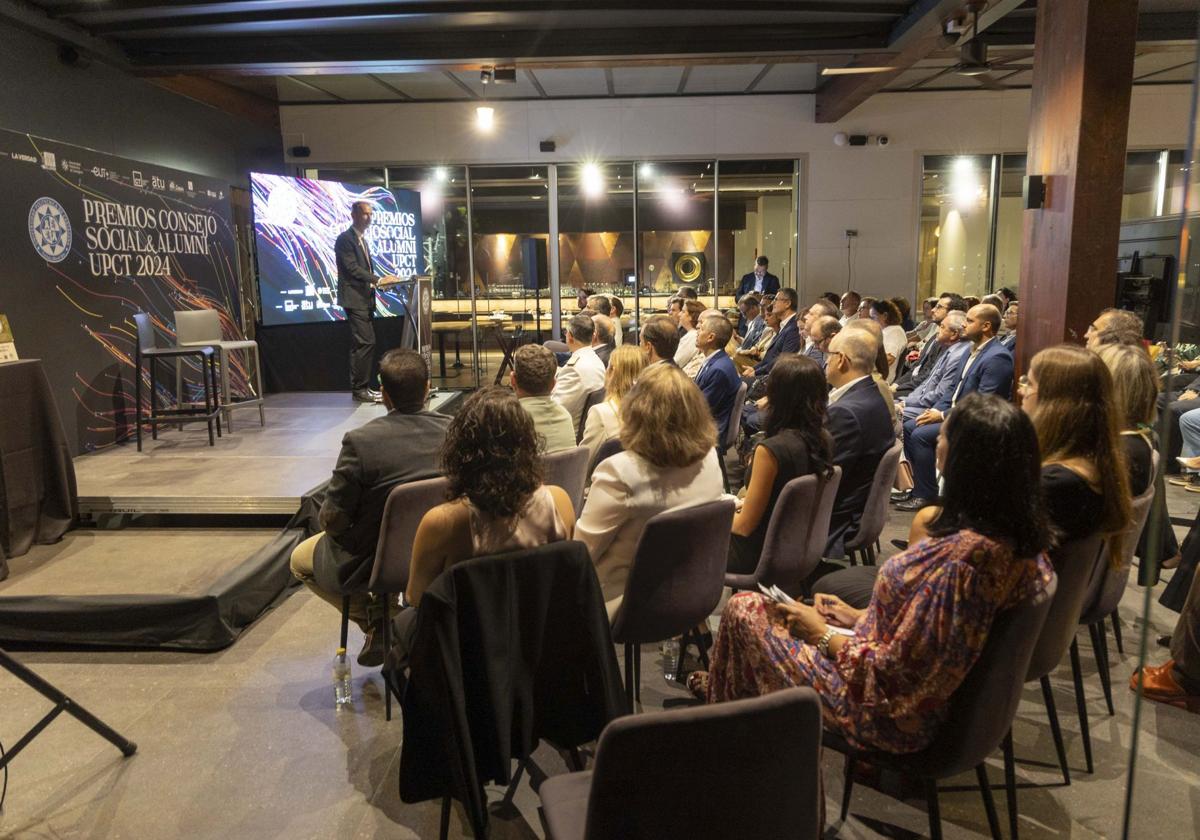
(603, 422)
(670, 461)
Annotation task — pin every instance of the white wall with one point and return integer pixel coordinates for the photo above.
(872, 189)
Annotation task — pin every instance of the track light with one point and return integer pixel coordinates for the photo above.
(485, 118)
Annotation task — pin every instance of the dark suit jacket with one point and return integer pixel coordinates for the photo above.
(718, 380)
(788, 341)
(356, 278)
(861, 425)
(375, 457)
(992, 373)
(603, 351)
(770, 284)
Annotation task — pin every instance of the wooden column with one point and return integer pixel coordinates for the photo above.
(1078, 124)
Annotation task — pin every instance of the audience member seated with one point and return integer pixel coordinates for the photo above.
(1135, 388)
(920, 369)
(532, 379)
(496, 501)
(599, 304)
(1008, 335)
(583, 372)
(788, 338)
(1115, 326)
(869, 325)
(821, 331)
(602, 339)
(943, 378)
(905, 309)
(820, 309)
(689, 319)
(926, 328)
(401, 446)
(1177, 681)
(581, 299)
(864, 307)
(659, 340)
(669, 461)
(752, 355)
(717, 378)
(886, 684)
(895, 339)
(796, 444)
(603, 422)
(988, 369)
(860, 421)
(752, 323)
(850, 303)
(618, 310)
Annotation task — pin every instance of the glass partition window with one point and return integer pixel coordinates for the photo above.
(675, 218)
(956, 224)
(757, 212)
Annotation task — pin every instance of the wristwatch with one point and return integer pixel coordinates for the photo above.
(823, 642)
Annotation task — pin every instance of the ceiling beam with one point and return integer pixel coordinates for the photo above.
(231, 100)
(920, 33)
(32, 19)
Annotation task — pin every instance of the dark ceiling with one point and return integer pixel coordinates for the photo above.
(293, 51)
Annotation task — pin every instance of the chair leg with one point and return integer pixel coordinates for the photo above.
(224, 392)
(206, 374)
(387, 645)
(216, 395)
(935, 813)
(1116, 624)
(852, 556)
(1010, 784)
(1081, 706)
(137, 399)
(1055, 729)
(444, 830)
(847, 785)
(153, 399)
(345, 620)
(262, 416)
(989, 804)
(684, 641)
(637, 672)
(870, 555)
(629, 677)
(1100, 649)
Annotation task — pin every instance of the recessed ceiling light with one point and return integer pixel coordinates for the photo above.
(851, 71)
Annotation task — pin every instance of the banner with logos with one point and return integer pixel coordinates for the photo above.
(89, 240)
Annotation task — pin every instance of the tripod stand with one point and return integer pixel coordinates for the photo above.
(62, 703)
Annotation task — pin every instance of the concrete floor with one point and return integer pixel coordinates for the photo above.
(246, 743)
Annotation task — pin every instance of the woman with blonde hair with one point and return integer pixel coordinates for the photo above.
(1068, 394)
(1135, 390)
(603, 422)
(669, 461)
(689, 320)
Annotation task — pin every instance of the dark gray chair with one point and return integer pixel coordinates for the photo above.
(731, 432)
(644, 761)
(568, 469)
(556, 346)
(980, 715)
(147, 350)
(593, 398)
(608, 449)
(875, 514)
(796, 536)
(674, 583)
(1101, 603)
(406, 506)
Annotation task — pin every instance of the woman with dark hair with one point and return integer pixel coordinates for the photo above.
(905, 310)
(496, 499)
(796, 445)
(886, 683)
(895, 339)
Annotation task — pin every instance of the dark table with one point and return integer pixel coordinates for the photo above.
(38, 500)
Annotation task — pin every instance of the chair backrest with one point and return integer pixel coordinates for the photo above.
(145, 332)
(556, 346)
(1076, 563)
(735, 417)
(875, 513)
(677, 574)
(756, 761)
(983, 707)
(797, 532)
(196, 326)
(568, 469)
(406, 506)
(1110, 584)
(593, 398)
(608, 449)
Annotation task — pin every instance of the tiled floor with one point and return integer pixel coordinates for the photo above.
(246, 743)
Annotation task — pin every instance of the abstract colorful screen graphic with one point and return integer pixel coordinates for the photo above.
(297, 220)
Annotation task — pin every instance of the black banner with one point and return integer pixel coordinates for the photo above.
(89, 240)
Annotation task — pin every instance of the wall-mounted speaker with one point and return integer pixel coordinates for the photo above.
(299, 151)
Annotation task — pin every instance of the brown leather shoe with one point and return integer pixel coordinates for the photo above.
(1159, 684)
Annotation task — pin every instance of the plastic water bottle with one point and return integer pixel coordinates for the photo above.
(341, 679)
(670, 655)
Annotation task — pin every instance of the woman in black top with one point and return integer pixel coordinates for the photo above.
(796, 445)
(1068, 393)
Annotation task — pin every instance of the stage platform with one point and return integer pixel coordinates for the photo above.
(252, 470)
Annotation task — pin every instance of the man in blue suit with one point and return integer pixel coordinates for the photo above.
(787, 341)
(717, 378)
(988, 369)
(759, 280)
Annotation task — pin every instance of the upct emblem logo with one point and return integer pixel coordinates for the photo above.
(50, 230)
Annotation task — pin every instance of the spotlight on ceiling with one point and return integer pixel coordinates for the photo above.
(485, 118)
(440, 175)
(485, 75)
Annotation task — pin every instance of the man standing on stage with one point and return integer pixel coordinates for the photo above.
(356, 295)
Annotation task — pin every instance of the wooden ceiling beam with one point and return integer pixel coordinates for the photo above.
(231, 100)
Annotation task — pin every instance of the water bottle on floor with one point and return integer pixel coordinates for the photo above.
(341, 679)
(670, 655)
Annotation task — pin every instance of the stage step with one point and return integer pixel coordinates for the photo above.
(91, 506)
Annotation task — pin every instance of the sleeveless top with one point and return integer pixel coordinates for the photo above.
(538, 524)
(792, 456)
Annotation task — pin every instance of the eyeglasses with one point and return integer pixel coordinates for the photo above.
(1024, 384)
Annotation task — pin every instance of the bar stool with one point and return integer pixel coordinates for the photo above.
(147, 349)
(202, 327)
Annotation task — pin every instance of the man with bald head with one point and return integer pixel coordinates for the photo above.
(860, 421)
(988, 369)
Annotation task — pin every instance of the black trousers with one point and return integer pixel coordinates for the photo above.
(362, 347)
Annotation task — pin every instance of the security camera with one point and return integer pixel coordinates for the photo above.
(882, 140)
